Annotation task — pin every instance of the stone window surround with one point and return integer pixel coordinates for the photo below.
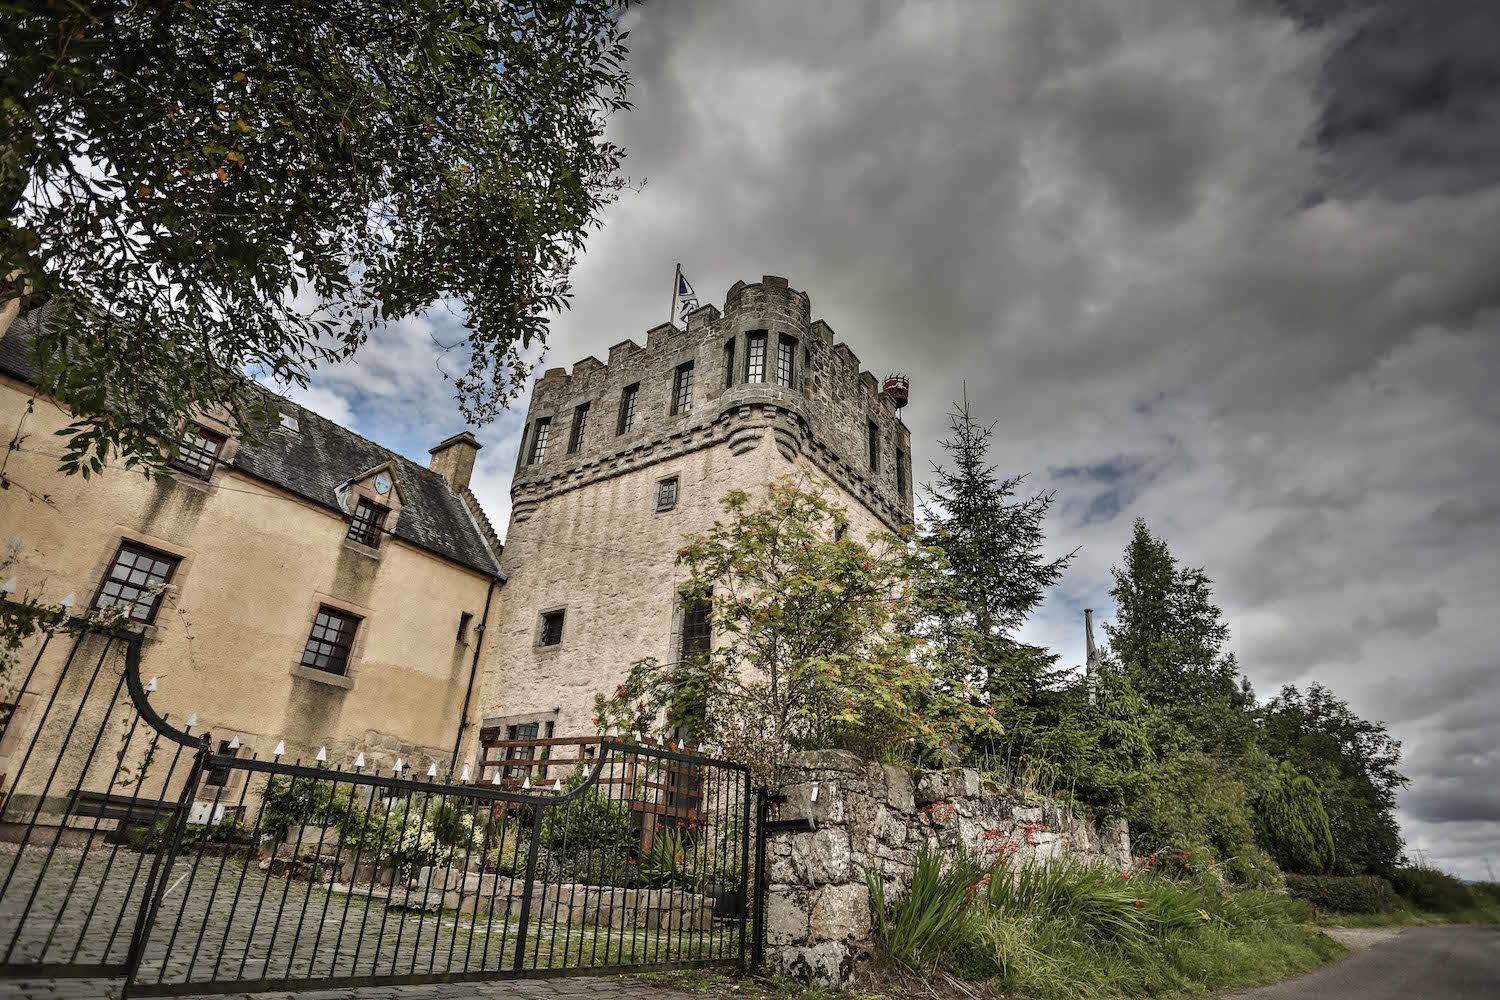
(355, 661)
(364, 488)
(178, 582)
(235, 778)
(541, 617)
(676, 482)
(227, 451)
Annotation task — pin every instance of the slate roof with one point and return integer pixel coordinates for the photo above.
(321, 456)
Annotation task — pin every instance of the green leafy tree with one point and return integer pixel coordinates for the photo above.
(1355, 765)
(1294, 824)
(206, 189)
(816, 641)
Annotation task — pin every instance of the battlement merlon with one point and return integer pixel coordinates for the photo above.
(837, 400)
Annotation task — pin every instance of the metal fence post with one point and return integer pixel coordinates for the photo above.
(762, 813)
(529, 888)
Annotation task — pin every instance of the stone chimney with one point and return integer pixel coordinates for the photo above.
(453, 459)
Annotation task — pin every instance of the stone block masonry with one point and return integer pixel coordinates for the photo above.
(873, 817)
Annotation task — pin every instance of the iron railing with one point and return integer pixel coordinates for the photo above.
(131, 848)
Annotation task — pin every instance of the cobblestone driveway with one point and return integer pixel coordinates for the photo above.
(538, 989)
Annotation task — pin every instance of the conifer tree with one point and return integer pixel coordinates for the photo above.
(1294, 824)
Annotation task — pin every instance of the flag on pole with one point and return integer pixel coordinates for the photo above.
(684, 299)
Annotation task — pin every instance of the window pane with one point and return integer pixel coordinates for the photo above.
(682, 389)
(627, 407)
(552, 628)
(697, 628)
(786, 350)
(755, 357)
(365, 528)
(198, 451)
(666, 494)
(539, 435)
(329, 641)
(580, 427)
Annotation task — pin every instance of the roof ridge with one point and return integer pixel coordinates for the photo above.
(483, 523)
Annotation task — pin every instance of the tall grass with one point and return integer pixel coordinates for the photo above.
(1070, 930)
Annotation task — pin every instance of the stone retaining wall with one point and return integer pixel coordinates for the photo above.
(877, 817)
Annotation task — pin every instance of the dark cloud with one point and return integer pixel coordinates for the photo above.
(1228, 266)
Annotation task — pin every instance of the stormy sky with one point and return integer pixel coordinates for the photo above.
(1233, 267)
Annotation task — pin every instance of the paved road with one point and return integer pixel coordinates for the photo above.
(1430, 963)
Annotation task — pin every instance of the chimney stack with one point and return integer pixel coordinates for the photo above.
(453, 459)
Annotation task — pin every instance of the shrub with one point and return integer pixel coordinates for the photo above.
(934, 922)
(293, 802)
(1294, 823)
(1344, 893)
(1430, 889)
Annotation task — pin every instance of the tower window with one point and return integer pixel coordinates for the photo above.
(729, 363)
(329, 642)
(755, 356)
(580, 427)
(682, 389)
(552, 627)
(874, 435)
(540, 432)
(198, 451)
(666, 494)
(136, 581)
(365, 527)
(786, 351)
(901, 473)
(697, 627)
(628, 397)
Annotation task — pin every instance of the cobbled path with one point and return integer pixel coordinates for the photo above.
(538, 989)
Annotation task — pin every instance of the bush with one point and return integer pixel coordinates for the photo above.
(1295, 824)
(291, 802)
(1344, 893)
(1432, 890)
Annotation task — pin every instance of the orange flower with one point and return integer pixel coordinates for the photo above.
(1140, 902)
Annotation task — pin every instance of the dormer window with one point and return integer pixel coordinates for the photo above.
(368, 519)
(198, 451)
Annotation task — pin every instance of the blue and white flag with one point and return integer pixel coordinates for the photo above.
(686, 299)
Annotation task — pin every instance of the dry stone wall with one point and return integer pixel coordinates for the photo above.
(873, 817)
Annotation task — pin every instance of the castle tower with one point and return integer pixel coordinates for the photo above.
(622, 461)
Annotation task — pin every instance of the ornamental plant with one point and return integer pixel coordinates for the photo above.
(817, 641)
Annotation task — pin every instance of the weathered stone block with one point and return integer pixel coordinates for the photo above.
(840, 913)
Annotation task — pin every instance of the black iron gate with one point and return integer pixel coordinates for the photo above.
(133, 848)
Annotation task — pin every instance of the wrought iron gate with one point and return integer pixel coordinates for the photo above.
(132, 846)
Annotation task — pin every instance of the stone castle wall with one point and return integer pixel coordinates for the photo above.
(873, 817)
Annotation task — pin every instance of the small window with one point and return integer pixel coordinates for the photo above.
(521, 732)
(666, 494)
(580, 428)
(628, 397)
(136, 581)
(874, 435)
(901, 473)
(198, 451)
(217, 775)
(729, 363)
(552, 628)
(330, 641)
(786, 352)
(755, 356)
(367, 524)
(540, 432)
(682, 389)
(697, 628)
(463, 627)
(840, 530)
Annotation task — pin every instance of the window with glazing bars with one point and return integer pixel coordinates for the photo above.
(365, 527)
(786, 350)
(729, 363)
(331, 639)
(666, 494)
(521, 732)
(697, 628)
(135, 582)
(628, 397)
(874, 434)
(217, 775)
(198, 451)
(755, 357)
(580, 427)
(540, 432)
(682, 389)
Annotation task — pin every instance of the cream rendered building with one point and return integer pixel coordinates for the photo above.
(621, 461)
(307, 586)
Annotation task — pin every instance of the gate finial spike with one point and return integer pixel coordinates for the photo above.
(526, 785)
(557, 785)
(192, 720)
(359, 760)
(234, 744)
(464, 777)
(398, 766)
(151, 686)
(322, 757)
(497, 776)
(67, 602)
(432, 770)
(8, 587)
(280, 748)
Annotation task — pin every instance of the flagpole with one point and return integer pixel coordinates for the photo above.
(676, 283)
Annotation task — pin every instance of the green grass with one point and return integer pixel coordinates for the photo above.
(1072, 931)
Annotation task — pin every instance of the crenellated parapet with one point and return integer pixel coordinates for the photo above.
(760, 366)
